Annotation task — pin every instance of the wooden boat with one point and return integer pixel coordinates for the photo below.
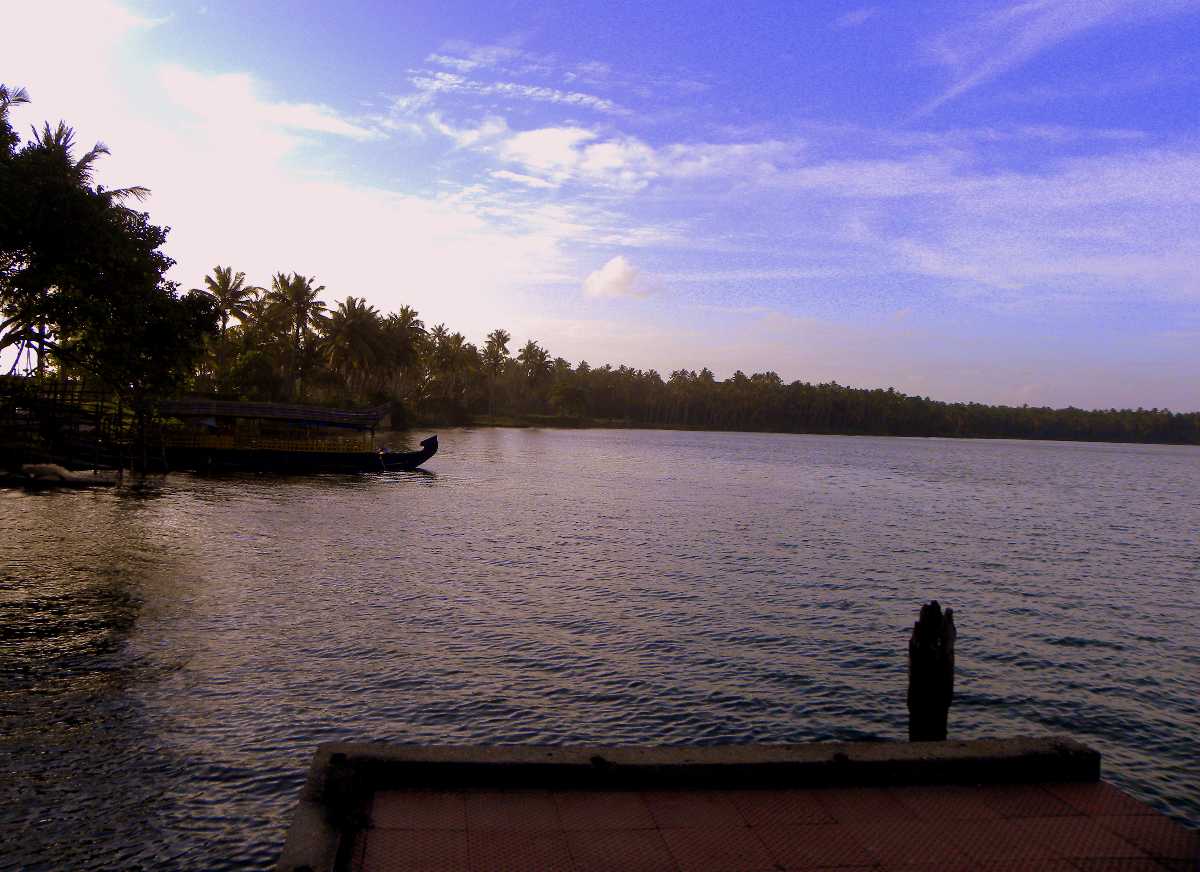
(399, 460)
(222, 435)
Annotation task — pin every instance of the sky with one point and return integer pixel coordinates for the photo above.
(994, 201)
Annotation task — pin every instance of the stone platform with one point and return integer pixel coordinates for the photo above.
(1013, 804)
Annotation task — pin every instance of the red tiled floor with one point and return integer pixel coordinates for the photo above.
(1120, 864)
(693, 808)
(946, 803)
(623, 850)
(1025, 800)
(515, 810)
(901, 841)
(519, 851)
(988, 841)
(718, 849)
(1078, 837)
(816, 845)
(859, 803)
(779, 807)
(416, 851)
(419, 810)
(586, 810)
(1098, 799)
(1158, 836)
(918, 829)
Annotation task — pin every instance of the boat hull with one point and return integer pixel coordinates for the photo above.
(202, 459)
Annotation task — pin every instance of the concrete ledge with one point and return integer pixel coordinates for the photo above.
(343, 776)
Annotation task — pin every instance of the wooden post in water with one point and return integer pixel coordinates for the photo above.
(930, 673)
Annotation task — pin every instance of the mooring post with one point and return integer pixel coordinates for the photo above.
(930, 673)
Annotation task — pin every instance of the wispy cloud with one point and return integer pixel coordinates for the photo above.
(1003, 38)
(429, 84)
(236, 93)
(855, 17)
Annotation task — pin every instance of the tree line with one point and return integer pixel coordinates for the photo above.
(83, 296)
(283, 342)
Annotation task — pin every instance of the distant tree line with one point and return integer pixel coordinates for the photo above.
(83, 296)
(283, 343)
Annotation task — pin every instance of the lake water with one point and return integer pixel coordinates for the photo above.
(169, 660)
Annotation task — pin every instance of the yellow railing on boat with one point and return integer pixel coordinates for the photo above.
(264, 443)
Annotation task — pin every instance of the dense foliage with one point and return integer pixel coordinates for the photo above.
(82, 276)
(287, 344)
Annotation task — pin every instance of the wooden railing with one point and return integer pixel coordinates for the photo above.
(266, 443)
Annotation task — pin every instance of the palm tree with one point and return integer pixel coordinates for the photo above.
(231, 293)
(354, 341)
(536, 365)
(296, 297)
(50, 156)
(404, 334)
(495, 355)
(9, 97)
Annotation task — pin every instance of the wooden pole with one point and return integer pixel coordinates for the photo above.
(930, 673)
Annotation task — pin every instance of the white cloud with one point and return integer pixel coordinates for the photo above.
(522, 179)
(233, 95)
(855, 17)
(628, 163)
(429, 84)
(997, 41)
(488, 130)
(617, 278)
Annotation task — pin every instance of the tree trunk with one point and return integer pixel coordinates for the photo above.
(931, 674)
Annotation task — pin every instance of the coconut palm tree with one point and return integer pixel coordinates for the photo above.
(231, 293)
(296, 298)
(495, 355)
(354, 341)
(404, 334)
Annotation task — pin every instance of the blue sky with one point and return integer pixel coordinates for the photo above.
(997, 201)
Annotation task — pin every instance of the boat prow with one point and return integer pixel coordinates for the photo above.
(399, 460)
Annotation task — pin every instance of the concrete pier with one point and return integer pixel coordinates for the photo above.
(1021, 803)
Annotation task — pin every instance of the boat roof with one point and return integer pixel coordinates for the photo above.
(196, 407)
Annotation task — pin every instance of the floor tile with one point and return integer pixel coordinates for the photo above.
(586, 810)
(718, 849)
(519, 851)
(620, 851)
(901, 841)
(419, 810)
(1099, 798)
(693, 808)
(1121, 864)
(1078, 837)
(1027, 866)
(816, 845)
(987, 841)
(948, 802)
(415, 851)
(859, 803)
(515, 810)
(779, 807)
(1157, 835)
(1025, 800)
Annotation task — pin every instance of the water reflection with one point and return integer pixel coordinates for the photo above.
(171, 658)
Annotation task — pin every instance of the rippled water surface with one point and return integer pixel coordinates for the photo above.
(169, 659)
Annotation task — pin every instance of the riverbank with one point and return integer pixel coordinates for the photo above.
(576, 422)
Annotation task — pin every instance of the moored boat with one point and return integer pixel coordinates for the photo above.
(221, 435)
